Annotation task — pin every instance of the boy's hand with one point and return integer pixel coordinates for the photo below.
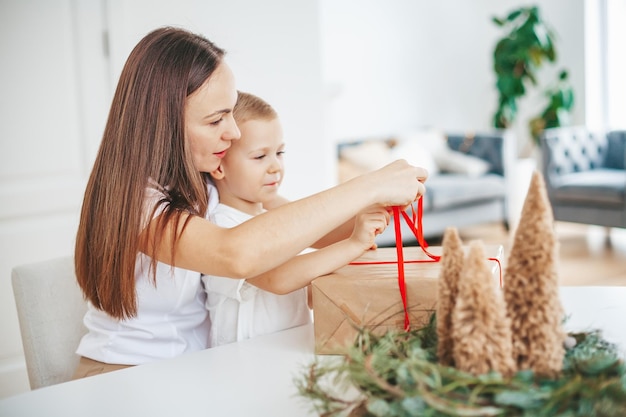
(368, 224)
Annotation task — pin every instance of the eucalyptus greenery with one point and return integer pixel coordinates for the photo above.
(397, 374)
(528, 42)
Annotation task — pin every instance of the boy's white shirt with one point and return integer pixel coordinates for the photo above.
(239, 310)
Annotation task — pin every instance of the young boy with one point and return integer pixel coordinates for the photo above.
(249, 176)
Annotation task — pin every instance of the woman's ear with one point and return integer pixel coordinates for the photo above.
(217, 173)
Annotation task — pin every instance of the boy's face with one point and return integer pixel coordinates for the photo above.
(253, 168)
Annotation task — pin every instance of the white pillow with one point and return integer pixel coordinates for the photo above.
(422, 147)
(460, 163)
(415, 153)
(369, 155)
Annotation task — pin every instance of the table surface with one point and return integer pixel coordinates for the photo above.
(250, 378)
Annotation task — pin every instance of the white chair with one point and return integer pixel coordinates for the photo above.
(50, 309)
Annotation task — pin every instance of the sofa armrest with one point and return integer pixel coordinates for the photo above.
(616, 153)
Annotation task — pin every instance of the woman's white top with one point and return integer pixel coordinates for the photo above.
(171, 316)
(239, 310)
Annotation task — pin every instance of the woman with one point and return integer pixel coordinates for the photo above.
(145, 236)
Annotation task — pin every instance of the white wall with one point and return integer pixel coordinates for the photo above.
(401, 64)
(42, 146)
(616, 64)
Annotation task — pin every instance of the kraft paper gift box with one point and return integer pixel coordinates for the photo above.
(368, 295)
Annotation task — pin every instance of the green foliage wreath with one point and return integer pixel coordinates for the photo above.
(397, 374)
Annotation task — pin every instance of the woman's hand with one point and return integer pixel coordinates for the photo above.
(398, 183)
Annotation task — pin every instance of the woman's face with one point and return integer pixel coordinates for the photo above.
(209, 124)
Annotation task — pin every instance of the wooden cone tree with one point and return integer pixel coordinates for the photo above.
(451, 266)
(531, 287)
(481, 330)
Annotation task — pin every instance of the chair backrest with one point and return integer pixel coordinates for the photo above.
(50, 309)
(572, 149)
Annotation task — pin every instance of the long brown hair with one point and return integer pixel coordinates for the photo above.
(143, 141)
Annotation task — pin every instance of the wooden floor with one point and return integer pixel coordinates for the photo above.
(586, 255)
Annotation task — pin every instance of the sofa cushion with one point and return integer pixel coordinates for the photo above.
(416, 154)
(489, 147)
(453, 190)
(600, 186)
(460, 163)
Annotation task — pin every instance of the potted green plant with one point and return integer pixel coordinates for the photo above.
(557, 111)
(528, 43)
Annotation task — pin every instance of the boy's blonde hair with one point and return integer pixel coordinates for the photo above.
(251, 107)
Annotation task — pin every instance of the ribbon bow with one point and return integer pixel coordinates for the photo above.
(415, 224)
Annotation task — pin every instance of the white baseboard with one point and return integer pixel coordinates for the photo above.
(13, 377)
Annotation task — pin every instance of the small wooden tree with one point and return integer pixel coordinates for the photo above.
(451, 266)
(531, 287)
(481, 330)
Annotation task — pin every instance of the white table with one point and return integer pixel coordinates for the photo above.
(250, 378)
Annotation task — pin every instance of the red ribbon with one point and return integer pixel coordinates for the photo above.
(415, 224)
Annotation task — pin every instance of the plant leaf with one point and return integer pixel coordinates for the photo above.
(526, 400)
